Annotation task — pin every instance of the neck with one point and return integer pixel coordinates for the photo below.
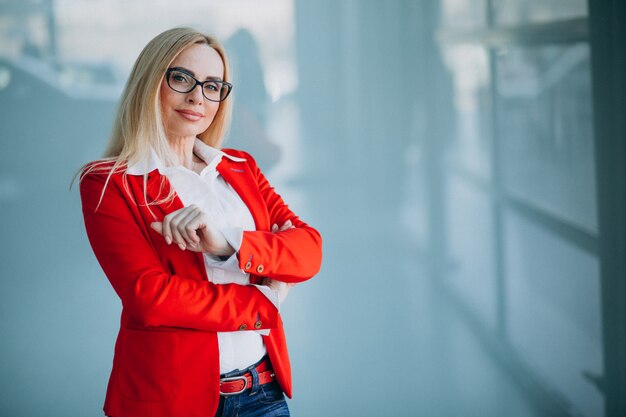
(183, 147)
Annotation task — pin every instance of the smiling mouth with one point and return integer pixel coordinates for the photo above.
(190, 115)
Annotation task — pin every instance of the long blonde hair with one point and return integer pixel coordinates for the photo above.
(138, 126)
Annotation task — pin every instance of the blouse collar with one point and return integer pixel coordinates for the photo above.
(210, 155)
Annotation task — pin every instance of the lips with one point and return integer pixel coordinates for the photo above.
(190, 114)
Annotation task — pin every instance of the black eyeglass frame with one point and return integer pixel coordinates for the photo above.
(201, 83)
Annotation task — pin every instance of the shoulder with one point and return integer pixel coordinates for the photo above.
(103, 167)
(101, 171)
(99, 179)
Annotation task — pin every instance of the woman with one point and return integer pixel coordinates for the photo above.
(195, 242)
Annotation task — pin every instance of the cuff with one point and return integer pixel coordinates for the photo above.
(234, 237)
(273, 297)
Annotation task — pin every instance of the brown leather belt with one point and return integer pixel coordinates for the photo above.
(237, 384)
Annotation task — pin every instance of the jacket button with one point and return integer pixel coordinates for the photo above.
(260, 269)
(243, 327)
(249, 265)
(258, 324)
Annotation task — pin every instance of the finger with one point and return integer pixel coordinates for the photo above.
(176, 237)
(274, 227)
(186, 228)
(174, 221)
(157, 227)
(210, 238)
(165, 229)
(286, 226)
(199, 230)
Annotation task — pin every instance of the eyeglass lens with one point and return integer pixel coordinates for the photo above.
(184, 83)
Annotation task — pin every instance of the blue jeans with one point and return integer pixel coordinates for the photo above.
(265, 400)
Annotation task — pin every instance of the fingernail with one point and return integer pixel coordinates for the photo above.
(182, 246)
(168, 240)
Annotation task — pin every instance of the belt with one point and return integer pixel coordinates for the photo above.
(234, 385)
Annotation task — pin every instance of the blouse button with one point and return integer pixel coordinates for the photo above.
(243, 327)
(260, 269)
(258, 324)
(249, 265)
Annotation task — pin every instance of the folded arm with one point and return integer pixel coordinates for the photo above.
(152, 295)
(291, 255)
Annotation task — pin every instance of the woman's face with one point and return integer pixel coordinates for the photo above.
(189, 114)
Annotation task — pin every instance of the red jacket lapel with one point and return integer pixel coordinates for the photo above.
(240, 177)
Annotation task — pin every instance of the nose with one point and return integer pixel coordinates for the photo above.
(195, 95)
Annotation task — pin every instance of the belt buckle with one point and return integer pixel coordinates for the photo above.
(234, 378)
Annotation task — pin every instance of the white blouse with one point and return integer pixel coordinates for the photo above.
(215, 197)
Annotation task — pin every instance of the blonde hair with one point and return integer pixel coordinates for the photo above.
(138, 126)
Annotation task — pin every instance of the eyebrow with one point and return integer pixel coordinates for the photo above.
(190, 72)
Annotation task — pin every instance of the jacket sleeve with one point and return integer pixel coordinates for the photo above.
(293, 255)
(148, 292)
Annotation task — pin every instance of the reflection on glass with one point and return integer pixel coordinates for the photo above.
(5, 77)
(469, 67)
(513, 12)
(545, 129)
(463, 14)
(554, 311)
(252, 101)
(471, 250)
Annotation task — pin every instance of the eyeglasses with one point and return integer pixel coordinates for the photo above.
(182, 81)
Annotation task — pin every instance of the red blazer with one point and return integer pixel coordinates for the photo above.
(166, 359)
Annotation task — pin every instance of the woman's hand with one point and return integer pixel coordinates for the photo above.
(285, 226)
(190, 228)
(281, 287)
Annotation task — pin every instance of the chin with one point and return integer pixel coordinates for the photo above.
(187, 131)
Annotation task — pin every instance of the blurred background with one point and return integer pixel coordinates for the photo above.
(463, 160)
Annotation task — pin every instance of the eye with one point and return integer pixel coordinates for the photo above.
(212, 86)
(179, 77)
